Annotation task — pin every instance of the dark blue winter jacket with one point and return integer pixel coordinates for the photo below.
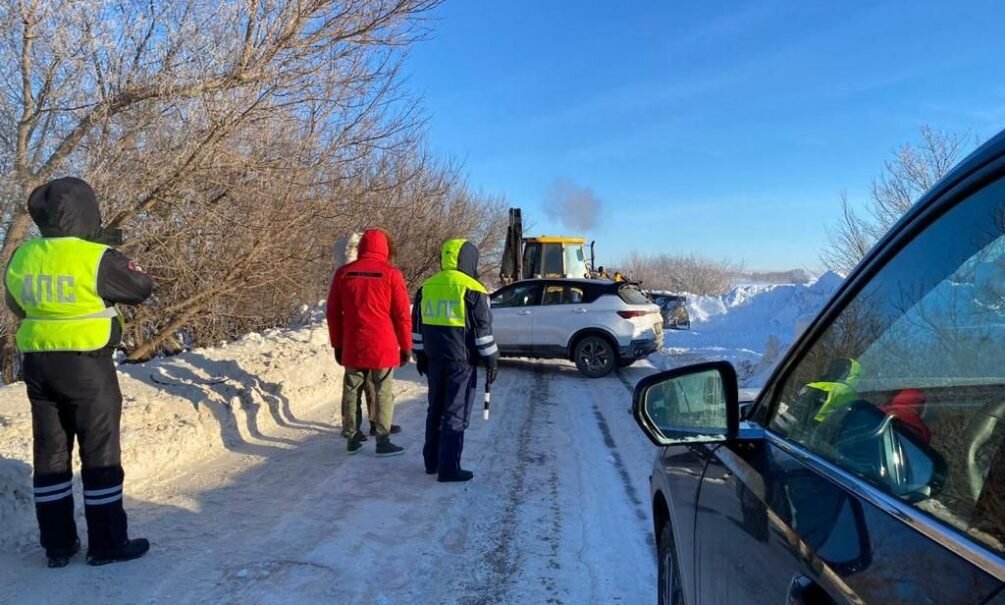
(451, 318)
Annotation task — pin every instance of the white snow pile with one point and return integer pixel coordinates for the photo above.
(309, 315)
(750, 326)
(184, 409)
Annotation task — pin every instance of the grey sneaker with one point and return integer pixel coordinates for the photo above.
(386, 448)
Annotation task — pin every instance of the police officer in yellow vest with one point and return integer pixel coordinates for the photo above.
(452, 334)
(835, 391)
(63, 286)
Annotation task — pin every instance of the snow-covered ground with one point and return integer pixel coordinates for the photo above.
(246, 492)
(180, 411)
(751, 326)
(237, 473)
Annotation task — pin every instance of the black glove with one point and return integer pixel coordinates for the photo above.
(111, 237)
(422, 363)
(338, 356)
(491, 373)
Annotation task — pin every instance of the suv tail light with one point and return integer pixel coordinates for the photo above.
(631, 314)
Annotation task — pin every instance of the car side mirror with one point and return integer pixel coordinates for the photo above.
(885, 451)
(693, 404)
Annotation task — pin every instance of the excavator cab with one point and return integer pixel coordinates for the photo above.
(560, 257)
(546, 256)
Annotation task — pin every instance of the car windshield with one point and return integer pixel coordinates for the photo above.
(633, 296)
(554, 263)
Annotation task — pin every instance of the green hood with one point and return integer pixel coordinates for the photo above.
(843, 370)
(460, 255)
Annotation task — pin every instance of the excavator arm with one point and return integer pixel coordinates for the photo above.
(512, 259)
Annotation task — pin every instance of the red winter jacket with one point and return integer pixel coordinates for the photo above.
(907, 406)
(369, 315)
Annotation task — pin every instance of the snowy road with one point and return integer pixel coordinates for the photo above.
(557, 513)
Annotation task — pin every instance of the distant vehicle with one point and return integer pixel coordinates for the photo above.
(673, 308)
(541, 257)
(871, 467)
(600, 325)
(554, 257)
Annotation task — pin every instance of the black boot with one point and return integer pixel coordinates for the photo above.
(131, 549)
(458, 477)
(386, 448)
(60, 557)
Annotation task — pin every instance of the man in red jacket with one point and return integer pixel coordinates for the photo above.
(370, 325)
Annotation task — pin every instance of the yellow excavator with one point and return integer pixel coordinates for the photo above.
(544, 256)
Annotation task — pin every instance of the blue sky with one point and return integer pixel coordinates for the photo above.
(725, 128)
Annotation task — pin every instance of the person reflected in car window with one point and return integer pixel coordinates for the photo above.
(834, 390)
(907, 406)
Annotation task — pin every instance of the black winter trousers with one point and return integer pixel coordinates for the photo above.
(452, 389)
(76, 396)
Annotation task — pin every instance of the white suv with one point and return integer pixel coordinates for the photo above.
(601, 325)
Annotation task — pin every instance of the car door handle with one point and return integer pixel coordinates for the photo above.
(580, 310)
(523, 313)
(804, 591)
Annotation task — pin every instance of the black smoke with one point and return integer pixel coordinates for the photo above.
(573, 206)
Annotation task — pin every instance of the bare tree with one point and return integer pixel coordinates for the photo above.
(211, 129)
(689, 273)
(423, 202)
(849, 239)
(913, 170)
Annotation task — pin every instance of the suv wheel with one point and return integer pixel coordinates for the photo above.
(595, 356)
(670, 589)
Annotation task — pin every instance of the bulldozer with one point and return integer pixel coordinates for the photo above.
(543, 256)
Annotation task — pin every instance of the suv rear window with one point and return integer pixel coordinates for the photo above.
(633, 296)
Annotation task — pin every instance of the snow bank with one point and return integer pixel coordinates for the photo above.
(750, 326)
(184, 409)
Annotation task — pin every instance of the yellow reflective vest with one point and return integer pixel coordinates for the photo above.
(55, 282)
(443, 294)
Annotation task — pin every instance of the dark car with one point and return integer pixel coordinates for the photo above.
(673, 308)
(871, 467)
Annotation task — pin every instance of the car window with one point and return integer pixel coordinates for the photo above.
(531, 260)
(556, 294)
(554, 260)
(517, 295)
(905, 387)
(574, 259)
(632, 295)
(593, 291)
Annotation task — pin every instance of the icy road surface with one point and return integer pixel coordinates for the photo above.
(557, 513)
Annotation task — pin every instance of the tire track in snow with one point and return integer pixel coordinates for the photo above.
(614, 544)
(625, 381)
(505, 558)
(619, 462)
